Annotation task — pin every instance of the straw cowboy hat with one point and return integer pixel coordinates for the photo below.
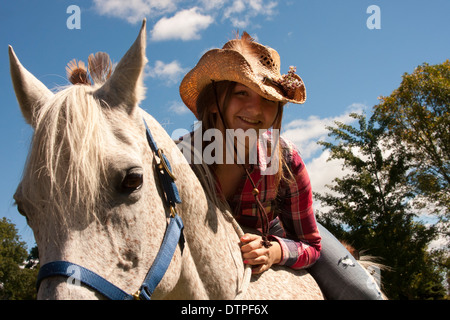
(249, 63)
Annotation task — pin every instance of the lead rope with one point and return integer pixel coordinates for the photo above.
(209, 184)
(243, 286)
(261, 212)
(260, 208)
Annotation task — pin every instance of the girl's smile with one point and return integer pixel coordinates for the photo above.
(248, 120)
(248, 110)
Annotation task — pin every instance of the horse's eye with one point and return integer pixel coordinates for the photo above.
(133, 181)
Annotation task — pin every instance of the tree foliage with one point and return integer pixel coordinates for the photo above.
(417, 119)
(371, 209)
(17, 277)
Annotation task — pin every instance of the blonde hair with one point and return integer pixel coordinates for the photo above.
(66, 165)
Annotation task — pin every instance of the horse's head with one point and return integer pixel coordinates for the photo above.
(88, 189)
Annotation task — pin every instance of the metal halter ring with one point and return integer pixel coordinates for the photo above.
(163, 165)
(173, 211)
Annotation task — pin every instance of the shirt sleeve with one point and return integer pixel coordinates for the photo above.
(300, 245)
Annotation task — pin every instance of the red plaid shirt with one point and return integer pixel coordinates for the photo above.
(289, 209)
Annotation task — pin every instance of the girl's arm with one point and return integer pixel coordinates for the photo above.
(300, 246)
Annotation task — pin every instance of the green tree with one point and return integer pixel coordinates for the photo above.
(417, 119)
(17, 282)
(371, 209)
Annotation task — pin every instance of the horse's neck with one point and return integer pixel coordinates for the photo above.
(213, 244)
(212, 262)
(211, 266)
(217, 268)
(190, 285)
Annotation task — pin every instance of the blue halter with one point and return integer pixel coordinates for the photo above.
(172, 237)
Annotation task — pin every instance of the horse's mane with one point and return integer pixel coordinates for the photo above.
(68, 149)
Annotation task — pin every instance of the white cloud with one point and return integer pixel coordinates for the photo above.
(241, 12)
(188, 17)
(212, 4)
(322, 173)
(305, 134)
(179, 108)
(184, 25)
(170, 73)
(134, 10)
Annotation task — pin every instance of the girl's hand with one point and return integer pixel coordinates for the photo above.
(255, 254)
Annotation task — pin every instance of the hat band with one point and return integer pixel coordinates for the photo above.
(270, 82)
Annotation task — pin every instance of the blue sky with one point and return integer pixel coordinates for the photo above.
(345, 65)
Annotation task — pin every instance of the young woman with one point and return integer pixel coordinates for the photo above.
(239, 88)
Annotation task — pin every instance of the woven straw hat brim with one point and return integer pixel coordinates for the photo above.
(223, 64)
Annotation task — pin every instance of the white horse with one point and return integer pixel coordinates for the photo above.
(91, 193)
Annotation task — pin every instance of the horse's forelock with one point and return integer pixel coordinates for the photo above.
(67, 156)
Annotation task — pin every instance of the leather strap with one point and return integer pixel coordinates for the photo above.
(85, 276)
(173, 236)
(89, 278)
(164, 171)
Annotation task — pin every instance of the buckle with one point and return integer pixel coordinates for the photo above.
(173, 211)
(164, 165)
(144, 293)
(136, 295)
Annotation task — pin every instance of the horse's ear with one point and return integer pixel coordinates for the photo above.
(30, 92)
(125, 88)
